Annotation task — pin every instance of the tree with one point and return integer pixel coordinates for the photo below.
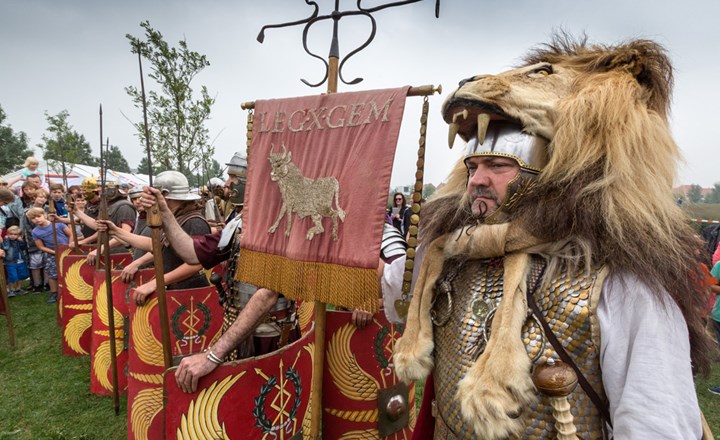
(116, 161)
(695, 193)
(64, 145)
(178, 137)
(714, 196)
(13, 147)
(428, 190)
(142, 167)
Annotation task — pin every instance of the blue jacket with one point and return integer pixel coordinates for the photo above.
(15, 251)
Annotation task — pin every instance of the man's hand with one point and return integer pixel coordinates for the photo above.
(142, 292)
(151, 196)
(129, 272)
(361, 318)
(2, 253)
(191, 369)
(91, 257)
(107, 226)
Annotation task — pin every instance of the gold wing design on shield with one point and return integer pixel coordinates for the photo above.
(201, 420)
(102, 364)
(76, 285)
(147, 404)
(155, 379)
(305, 313)
(352, 381)
(76, 327)
(101, 303)
(147, 346)
(63, 254)
(365, 434)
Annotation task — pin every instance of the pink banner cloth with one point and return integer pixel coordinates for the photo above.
(329, 157)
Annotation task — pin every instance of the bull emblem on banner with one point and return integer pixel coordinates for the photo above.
(304, 196)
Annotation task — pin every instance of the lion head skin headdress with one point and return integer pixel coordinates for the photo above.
(603, 198)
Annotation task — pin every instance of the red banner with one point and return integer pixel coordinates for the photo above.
(318, 179)
(195, 323)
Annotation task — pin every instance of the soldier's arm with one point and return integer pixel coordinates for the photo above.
(181, 242)
(123, 234)
(86, 219)
(180, 273)
(192, 368)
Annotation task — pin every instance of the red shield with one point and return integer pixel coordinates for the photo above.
(100, 366)
(255, 398)
(195, 323)
(357, 371)
(76, 299)
(306, 315)
(63, 251)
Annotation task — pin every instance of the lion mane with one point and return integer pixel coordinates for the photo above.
(606, 189)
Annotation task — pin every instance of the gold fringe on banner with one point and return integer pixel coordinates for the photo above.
(343, 286)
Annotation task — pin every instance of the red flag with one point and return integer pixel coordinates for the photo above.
(318, 178)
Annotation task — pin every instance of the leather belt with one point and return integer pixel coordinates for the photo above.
(278, 315)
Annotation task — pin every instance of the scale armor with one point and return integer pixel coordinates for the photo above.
(566, 304)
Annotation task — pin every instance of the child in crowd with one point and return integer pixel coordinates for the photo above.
(57, 194)
(42, 234)
(31, 168)
(15, 254)
(27, 193)
(36, 261)
(41, 197)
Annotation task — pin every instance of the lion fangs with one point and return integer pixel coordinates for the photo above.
(463, 113)
(482, 125)
(454, 128)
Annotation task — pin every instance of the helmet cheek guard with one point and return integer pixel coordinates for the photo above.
(237, 192)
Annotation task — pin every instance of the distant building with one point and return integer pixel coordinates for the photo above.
(683, 190)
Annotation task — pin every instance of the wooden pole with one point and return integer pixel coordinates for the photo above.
(316, 391)
(51, 206)
(103, 243)
(6, 304)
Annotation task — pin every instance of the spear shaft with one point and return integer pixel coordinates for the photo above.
(155, 223)
(104, 244)
(71, 203)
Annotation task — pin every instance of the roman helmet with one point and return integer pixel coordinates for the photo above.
(135, 192)
(89, 189)
(89, 184)
(215, 187)
(112, 190)
(174, 186)
(237, 167)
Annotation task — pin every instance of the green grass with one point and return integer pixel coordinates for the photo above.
(43, 394)
(706, 211)
(46, 396)
(710, 403)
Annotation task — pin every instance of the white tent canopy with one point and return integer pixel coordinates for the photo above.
(76, 173)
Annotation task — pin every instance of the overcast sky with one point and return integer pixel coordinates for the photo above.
(73, 54)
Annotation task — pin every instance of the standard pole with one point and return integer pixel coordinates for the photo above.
(320, 307)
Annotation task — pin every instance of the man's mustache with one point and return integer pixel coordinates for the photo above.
(483, 192)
